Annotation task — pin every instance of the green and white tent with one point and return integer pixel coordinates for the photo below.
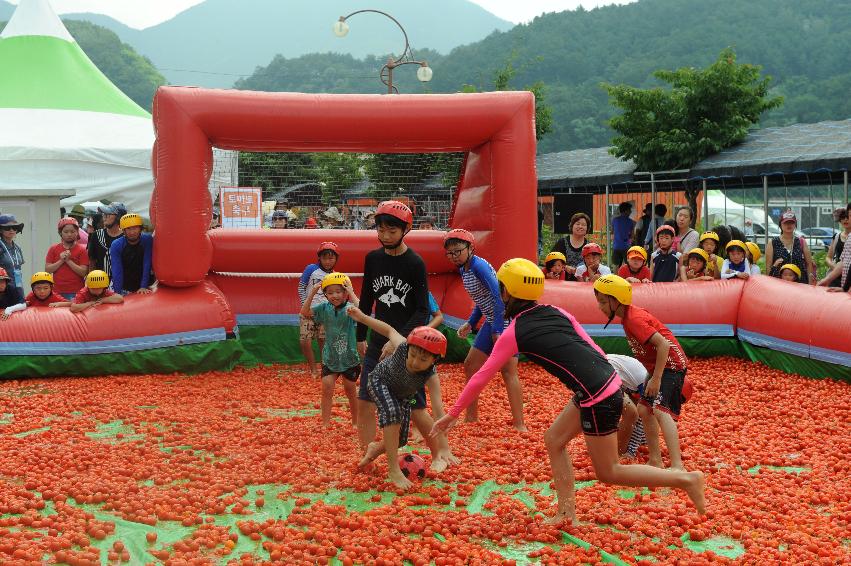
(63, 124)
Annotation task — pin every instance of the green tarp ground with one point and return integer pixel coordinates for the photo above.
(190, 358)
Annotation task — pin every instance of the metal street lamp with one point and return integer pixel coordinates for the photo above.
(424, 72)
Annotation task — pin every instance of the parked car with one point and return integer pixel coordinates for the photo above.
(819, 235)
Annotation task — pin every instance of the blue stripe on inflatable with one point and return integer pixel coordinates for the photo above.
(111, 346)
(685, 330)
(796, 348)
(267, 319)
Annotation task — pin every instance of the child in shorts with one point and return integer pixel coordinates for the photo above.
(95, 292)
(393, 384)
(736, 265)
(633, 376)
(480, 282)
(592, 268)
(695, 268)
(655, 347)
(665, 262)
(554, 266)
(635, 269)
(309, 329)
(340, 353)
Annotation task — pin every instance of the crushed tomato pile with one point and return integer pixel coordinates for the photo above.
(235, 467)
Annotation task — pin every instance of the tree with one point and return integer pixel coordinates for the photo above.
(703, 112)
(337, 172)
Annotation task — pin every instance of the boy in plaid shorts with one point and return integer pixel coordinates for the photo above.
(392, 386)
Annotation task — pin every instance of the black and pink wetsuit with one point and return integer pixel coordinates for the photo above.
(552, 338)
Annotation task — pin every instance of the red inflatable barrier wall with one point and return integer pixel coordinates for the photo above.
(496, 193)
(201, 307)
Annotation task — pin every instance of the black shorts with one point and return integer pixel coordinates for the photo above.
(670, 398)
(350, 374)
(602, 418)
(363, 392)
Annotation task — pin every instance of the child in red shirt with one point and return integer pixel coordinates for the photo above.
(655, 347)
(43, 294)
(635, 269)
(68, 261)
(554, 266)
(95, 292)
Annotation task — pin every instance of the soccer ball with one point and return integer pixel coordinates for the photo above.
(412, 466)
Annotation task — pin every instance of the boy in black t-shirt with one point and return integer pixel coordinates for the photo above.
(395, 283)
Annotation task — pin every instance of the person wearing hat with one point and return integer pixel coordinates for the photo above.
(101, 240)
(11, 256)
(78, 213)
(96, 292)
(635, 269)
(310, 224)
(788, 248)
(333, 218)
(68, 260)
(11, 298)
(131, 258)
(279, 220)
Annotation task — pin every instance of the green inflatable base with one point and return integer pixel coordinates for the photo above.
(190, 358)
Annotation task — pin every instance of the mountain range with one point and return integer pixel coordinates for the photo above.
(216, 42)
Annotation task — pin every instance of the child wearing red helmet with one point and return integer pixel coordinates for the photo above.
(592, 268)
(314, 273)
(393, 385)
(68, 260)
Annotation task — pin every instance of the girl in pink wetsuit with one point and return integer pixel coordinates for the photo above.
(552, 338)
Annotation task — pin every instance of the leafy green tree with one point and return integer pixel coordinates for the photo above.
(338, 172)
(703, 112)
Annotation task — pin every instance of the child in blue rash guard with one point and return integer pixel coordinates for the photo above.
(480, 282)
(309, 329)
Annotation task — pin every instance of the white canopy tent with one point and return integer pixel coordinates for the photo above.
(722, 210)
(66, 128)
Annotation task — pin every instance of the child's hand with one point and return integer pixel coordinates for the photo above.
(651, 389)
(317, 287)
(355, 313)
(778, 263)
(633, 280)
(743, 275)
(442, 424)
(646, 281)
(362, 348)
(463, 330)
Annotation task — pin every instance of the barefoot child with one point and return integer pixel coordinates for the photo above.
(554, 266)
(635, 269)
(633, 375)
(552, 338)
(340, 354)
(480, 282)
(95, 292)
(309, 329)
(392, 385)
(655, 347)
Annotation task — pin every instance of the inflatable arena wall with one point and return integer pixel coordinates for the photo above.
(222, 302)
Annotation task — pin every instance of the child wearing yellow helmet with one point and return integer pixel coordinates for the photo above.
(695, 267)
(635, 269)
(131, 258)
(95, 292)
(554, 265)
(655, 346)
(736, 265)
(552, 338)
(42, 294)
(709, 242)
(753, 256)
(340, 352)
(790, 272)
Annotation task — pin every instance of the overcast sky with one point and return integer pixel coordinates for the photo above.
(144, 13)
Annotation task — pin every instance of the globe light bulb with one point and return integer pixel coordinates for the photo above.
(424, 73)
(341, 28)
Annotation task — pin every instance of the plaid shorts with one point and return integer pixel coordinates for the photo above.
(308, 329)
(391, 409)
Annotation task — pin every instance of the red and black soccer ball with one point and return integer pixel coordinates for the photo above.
(412, 466)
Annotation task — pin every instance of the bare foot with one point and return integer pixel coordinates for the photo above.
(373, 451)
(438, 465)
(562, 517)
(448, 457)
(399, 480)
(695, 491)
(521, 427)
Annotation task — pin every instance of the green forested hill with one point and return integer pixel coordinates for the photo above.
(129, 71)
(805, 45)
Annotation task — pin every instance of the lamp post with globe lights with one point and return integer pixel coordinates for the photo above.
(424, 72)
